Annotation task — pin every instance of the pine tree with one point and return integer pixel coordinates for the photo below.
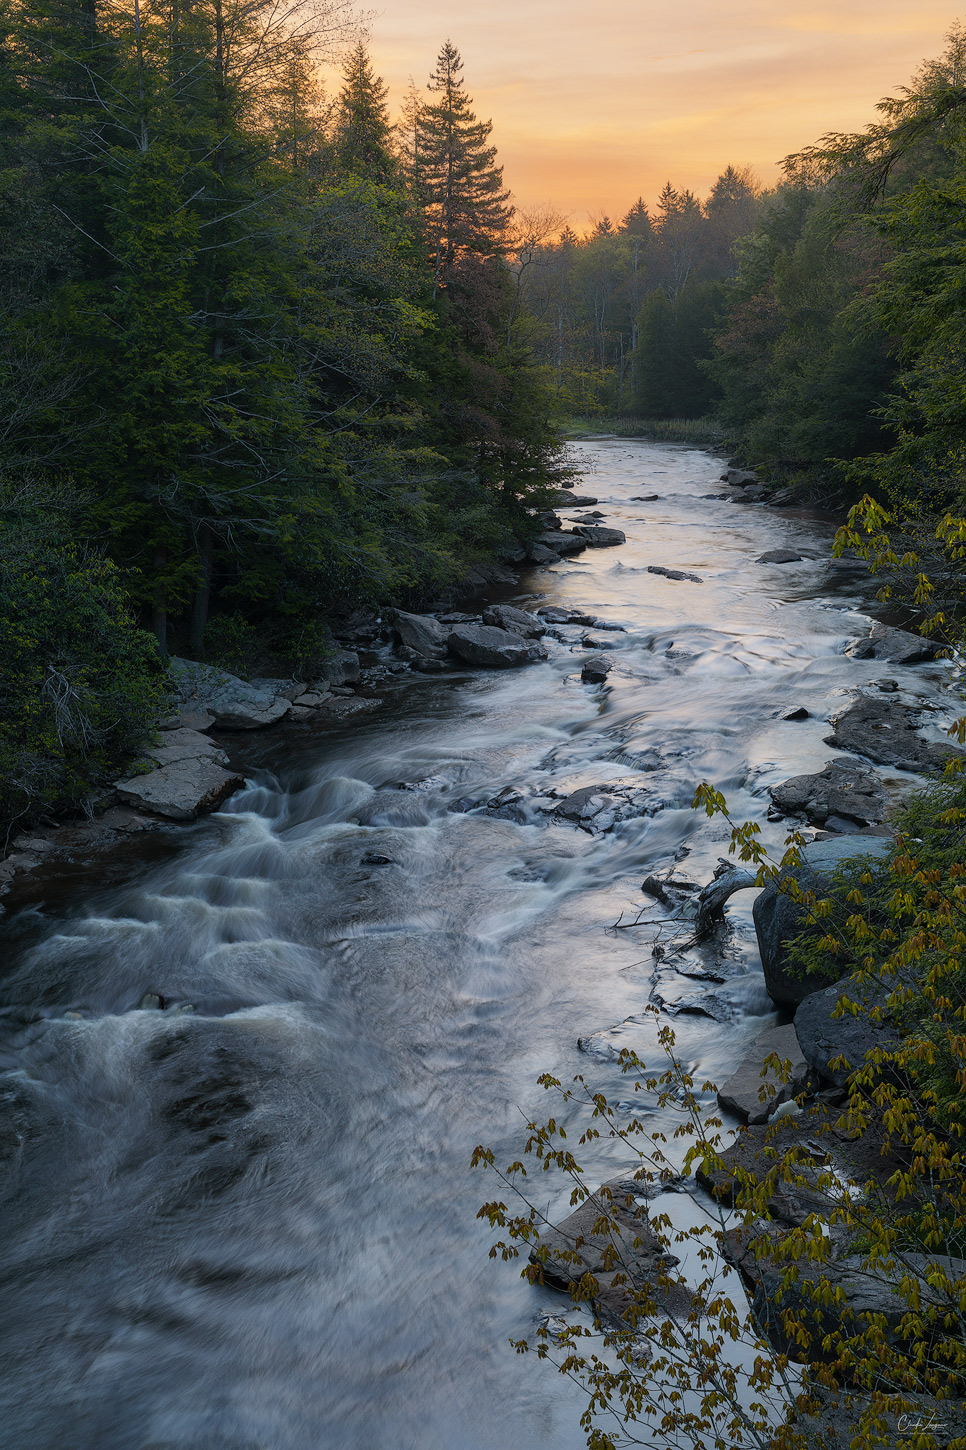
(465, 205)
(363, 135)
(637, 221)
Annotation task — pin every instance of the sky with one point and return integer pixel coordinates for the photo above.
(595, 102)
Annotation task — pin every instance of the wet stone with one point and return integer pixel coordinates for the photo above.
(595, 670)
(674, 573)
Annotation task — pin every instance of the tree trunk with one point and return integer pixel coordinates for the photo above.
(199, 608)
(159, 605)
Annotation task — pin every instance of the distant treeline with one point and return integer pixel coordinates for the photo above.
(822, 324)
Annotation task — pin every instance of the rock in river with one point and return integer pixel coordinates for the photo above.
(752, 1093)
(562, 541)
(624, 1254)
(843, 788)
(515, 621)
(598, 537)
(778, 918)
(674, 573)
(884, 730)
(496, 649)
(422, 633)
(190, 778)
(780, 556)
(897, 646)
(595, 670)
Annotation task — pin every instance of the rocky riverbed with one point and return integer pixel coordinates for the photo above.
(247, 1056)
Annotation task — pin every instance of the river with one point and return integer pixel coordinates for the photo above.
(247, 1221)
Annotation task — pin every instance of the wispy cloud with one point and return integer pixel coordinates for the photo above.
(595, 104)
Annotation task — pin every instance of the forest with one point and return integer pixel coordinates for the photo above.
(263, 360)
(271, 356)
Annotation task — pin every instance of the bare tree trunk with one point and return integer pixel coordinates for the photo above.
(199, 608)
(159, 605)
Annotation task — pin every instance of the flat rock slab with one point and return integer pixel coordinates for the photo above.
(185, 744)
(859, 1290)
(841, 788)
(563, 541)
(624, 1245)
(753, 1093)
(825, 1037)
(897, 646)
(495, 649)
(183, 790)
(599, 537)
(778, 918)
(883, 729)
(674, 573)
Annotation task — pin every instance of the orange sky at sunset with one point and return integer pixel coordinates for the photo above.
(595, 103)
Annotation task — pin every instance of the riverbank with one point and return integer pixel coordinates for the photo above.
(251, 1059)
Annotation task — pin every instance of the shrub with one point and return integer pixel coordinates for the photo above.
(81, 686)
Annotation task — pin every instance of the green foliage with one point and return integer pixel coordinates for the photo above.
(725, 1372)
(674, 340)
(800, 382)
(228, 312)
(81, 687)
(622, 315)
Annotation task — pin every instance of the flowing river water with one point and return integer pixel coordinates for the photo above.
(247, 1221)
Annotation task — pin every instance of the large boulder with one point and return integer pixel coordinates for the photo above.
(753, 1092)
(341, 668)
(598, 537)
(496, 649)
(515, 621)
(883, 729)
(778, 918)
(234, 704)
(861, 1294)
(825, 1037)
(563, 541)
(610, 1237)
(842, 790)
(896, 646)
(189, 778)
(422, 633)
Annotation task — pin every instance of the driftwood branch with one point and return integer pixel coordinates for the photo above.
(710, 900)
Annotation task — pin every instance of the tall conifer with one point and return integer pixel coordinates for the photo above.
(465, 205)
(363, 134)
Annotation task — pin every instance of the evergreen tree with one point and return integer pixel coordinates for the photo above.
(637, 221)
(363, 134)
(465, 205)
